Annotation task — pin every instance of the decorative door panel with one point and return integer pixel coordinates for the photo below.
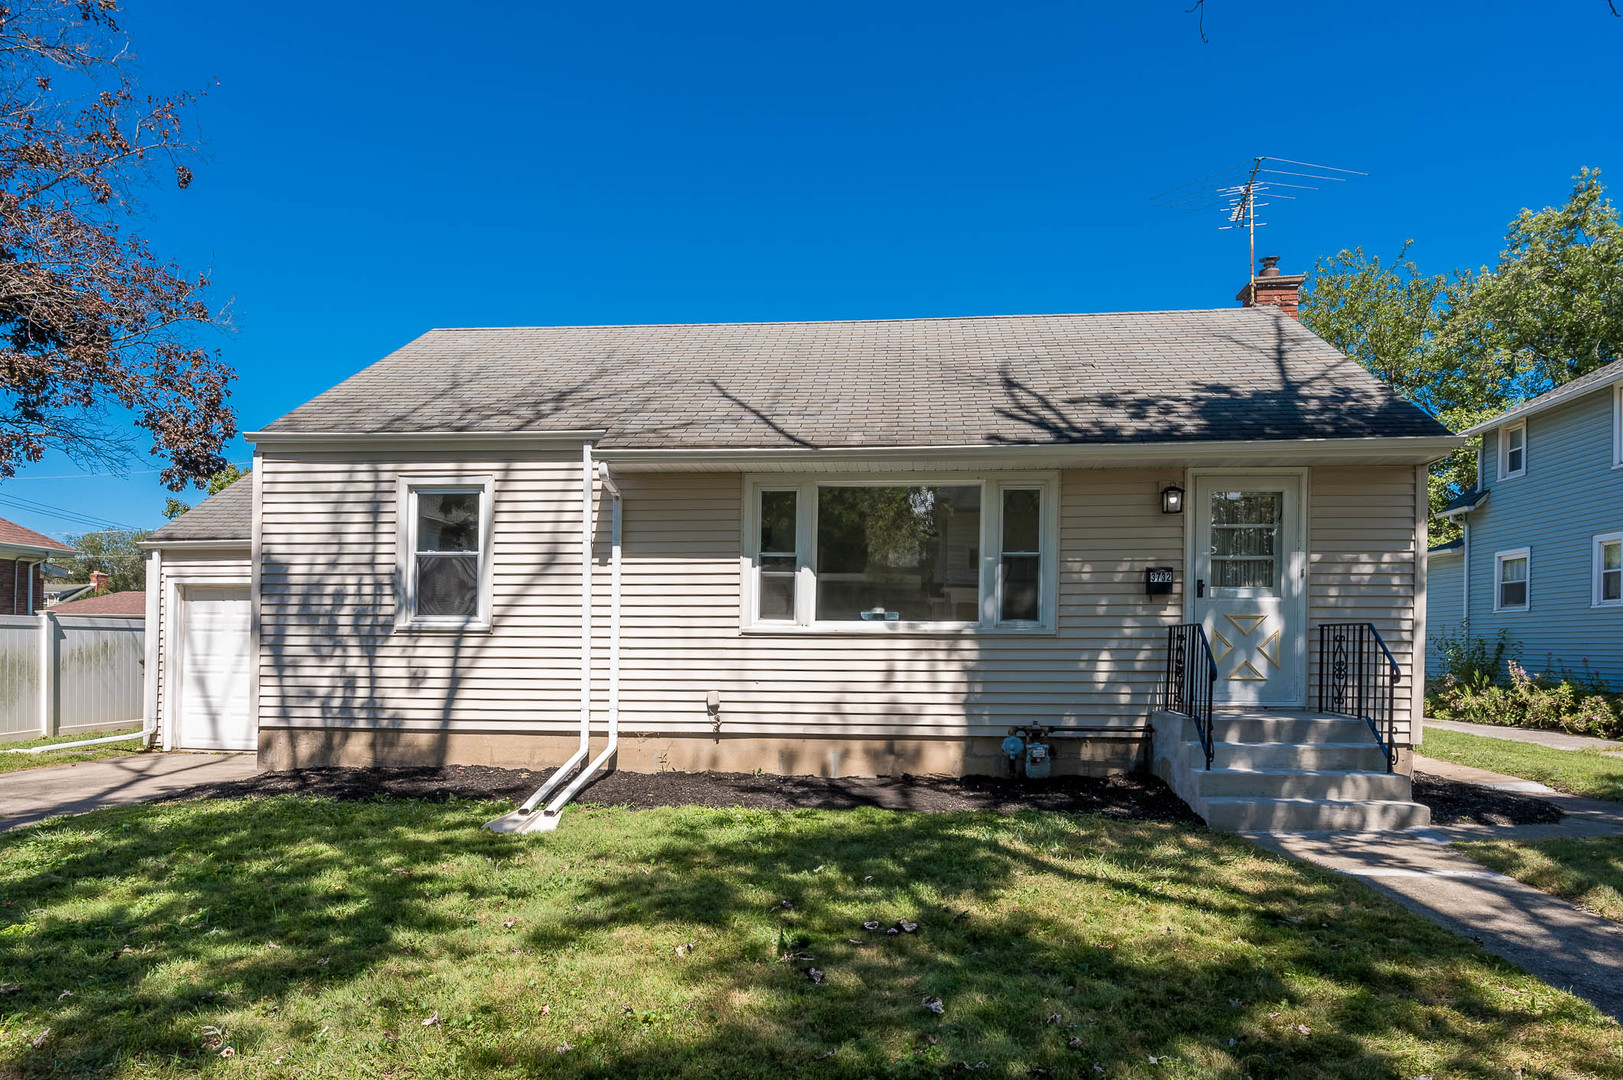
(1248, 563)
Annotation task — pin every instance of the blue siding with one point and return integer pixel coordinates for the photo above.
(1569, 493)
(1444, 610)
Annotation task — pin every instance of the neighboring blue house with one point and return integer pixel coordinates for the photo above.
(1542, 553)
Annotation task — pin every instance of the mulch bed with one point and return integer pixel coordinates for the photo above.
(1134, 796)
(1453, 802)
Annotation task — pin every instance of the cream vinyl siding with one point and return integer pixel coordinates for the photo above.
(1361, 562)
(330, 654)
(211, 566)
(681, 636)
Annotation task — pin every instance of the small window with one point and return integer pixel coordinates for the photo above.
(1020, 570)
(1609, 569)
(1512, 451)
(1511, 580)
(446, 545)
(779, 557)
(1617, 426)
(1245, 529)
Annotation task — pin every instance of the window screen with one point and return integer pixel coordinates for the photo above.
(898, 554)
(447, 556)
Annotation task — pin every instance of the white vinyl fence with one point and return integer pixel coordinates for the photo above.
(90, 669)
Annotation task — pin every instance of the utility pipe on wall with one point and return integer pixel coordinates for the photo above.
(586, 531)
(549, 816)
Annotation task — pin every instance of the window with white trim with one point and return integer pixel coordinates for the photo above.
(1512, 450)
(1609, 570)
(1511, 580)
(444, 562)
(1617, 426)
(860, 555)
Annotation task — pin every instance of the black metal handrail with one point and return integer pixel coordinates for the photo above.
(1358, 676)
(1190, 675)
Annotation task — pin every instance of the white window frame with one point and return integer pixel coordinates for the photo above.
(1505, 471)
(1617, 425)
(1499, 560)
(1596, 546)
(408, 488)
(992, 485)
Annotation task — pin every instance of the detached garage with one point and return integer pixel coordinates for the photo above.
(199, 662)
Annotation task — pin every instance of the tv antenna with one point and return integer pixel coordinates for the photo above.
(1242, 189)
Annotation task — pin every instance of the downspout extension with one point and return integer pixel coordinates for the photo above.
(525, 818)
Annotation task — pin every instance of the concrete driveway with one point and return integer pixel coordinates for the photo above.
(36, 794)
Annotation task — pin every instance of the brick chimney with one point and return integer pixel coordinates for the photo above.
(98, 582)
(1271, 288)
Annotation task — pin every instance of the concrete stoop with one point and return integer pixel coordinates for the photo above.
(1284, 772)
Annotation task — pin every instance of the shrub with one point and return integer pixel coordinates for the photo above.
(1575, 706)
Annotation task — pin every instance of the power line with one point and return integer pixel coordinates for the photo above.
(60, 513)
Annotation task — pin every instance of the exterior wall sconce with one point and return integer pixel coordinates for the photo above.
(1172, 500)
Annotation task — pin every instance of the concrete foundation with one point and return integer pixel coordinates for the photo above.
(833, 756)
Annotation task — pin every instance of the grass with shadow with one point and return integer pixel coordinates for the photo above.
(304, 937)
(17, 762)
(1586, 870)
(1590, 773)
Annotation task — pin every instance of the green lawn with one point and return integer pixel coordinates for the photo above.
(318, 939)
(1586, 870)
(1580, 772)
(15, 762)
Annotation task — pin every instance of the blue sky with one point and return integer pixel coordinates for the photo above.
(371, 172)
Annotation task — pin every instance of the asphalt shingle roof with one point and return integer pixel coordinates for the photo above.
(129, 603)
(1226, 374)
(1598, 379)
(227, 515)
(15, 535)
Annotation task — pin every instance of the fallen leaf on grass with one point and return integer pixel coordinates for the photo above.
(1074, 1042)
(934, 1005)
(432, 1020)
(824, 1055)
(855, 941)
(868, 878)
(871, 924)
(272, 945)
(6, 988)
(64, 995)
(1053, 1018)
(39, 1040)
(961, 916)
(564, 1048)
(324, 961)
(815, 975)
(508, 924)
(907, 927)
(1301, 1029)
(228, 1051)
(546, 1010)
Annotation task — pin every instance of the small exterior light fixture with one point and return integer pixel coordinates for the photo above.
(1172, 500)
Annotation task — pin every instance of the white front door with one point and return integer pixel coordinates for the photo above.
(1248, 570)
(213, 712)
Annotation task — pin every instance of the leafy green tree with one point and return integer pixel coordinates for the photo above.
(115, 552)
(1467, 345)
(221, 480)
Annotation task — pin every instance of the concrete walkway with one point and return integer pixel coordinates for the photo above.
(36, 794)
(1562, 944)
(1558, 740)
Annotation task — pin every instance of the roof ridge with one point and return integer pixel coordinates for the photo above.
(850, 322)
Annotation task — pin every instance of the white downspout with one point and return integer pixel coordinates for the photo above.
(524, 819)
(549, 816)
(1465, 578)
(154, 636)
(586, 531)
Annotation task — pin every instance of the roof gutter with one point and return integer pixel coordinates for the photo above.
(327, 439)
(1415, 450)
(218, 543)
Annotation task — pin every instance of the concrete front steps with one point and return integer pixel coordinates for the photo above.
(1280, 771)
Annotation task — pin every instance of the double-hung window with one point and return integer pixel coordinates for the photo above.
(858, 555)
(1609, 570)
(1510, 574)
(1513, 450)
(444, 565)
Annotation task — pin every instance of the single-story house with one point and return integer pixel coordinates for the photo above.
(23, 555)
(830, 547)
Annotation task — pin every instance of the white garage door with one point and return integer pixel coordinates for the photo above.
(214, 712)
